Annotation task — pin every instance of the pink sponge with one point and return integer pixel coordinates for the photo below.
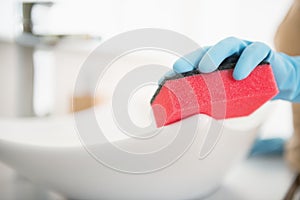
(216, 94)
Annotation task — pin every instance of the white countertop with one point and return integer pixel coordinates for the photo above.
(257, 178)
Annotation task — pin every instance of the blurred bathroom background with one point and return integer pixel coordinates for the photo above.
(44, 43)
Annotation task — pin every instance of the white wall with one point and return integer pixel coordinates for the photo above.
(205, 21)
(8, 79)
(7, 19)
(247, 19)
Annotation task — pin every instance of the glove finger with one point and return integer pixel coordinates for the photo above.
(216, 54)
(189, 61)
(249, 59)
(166, 75)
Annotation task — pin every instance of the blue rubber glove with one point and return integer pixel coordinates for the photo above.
(272, 146)
(286, 68)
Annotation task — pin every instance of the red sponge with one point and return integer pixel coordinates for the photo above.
(216, 94)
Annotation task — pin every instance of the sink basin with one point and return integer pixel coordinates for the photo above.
(50, 152)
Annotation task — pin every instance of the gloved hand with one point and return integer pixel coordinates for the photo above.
(271, 146)
(286, 69)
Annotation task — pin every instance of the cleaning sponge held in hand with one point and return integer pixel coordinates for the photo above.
(215, 94)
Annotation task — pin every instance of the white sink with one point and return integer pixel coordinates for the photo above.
(49, 152)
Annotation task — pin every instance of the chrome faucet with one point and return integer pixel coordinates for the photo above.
(28, 41)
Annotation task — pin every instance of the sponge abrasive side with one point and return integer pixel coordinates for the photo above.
(215, 94)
